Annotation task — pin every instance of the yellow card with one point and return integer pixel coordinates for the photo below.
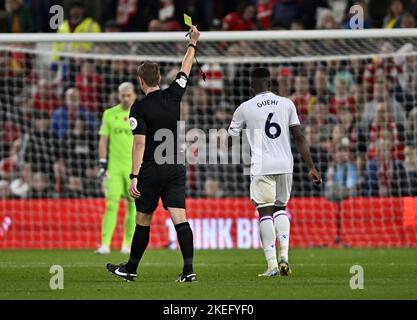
(187, 20)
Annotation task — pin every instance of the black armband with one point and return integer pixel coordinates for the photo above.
(193, 46)
(182, 75)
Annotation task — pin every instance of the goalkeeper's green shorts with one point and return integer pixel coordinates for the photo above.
(117, 186)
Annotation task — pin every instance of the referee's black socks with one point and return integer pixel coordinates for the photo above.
(139, 243)
(185, 240)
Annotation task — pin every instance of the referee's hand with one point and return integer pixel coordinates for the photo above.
(194, 34)
(133, 189)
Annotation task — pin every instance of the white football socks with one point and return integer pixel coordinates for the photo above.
(282, 228)
(268, 238)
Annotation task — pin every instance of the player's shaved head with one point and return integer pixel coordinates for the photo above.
(126, 86)
(127, 94)
(260, 80)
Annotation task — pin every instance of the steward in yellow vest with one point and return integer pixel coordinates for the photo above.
(76, 23)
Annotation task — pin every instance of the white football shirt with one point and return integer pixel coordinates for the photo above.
(267, 119)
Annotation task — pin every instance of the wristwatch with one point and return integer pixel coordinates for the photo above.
(133, 176)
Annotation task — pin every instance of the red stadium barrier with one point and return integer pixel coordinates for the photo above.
(217, 223)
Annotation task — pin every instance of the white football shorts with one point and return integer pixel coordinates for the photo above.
(271, 190)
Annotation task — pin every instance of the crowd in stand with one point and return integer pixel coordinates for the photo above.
(231, 15)
(359, 116)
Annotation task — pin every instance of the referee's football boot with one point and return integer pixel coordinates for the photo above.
(284, 267)
(270, 273)
(191, 277)
(120, 271)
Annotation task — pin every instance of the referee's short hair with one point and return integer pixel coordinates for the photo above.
(149, 73)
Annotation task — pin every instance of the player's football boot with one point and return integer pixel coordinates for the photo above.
(187, 277)
(269, 273)
(120, 271)
(103, 250)
(284, 267)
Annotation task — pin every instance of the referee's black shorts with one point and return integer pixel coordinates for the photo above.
(165, 181)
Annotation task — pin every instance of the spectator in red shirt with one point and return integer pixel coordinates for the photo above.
(45, 98)
(384, 121)
(11, 131)
(214, 83)
(302, 98)
(379, 70)
(89, 84)
(264, 13)
(285, 80)
(9, 165)
(342, 97)
(385, 175)
(242, 19)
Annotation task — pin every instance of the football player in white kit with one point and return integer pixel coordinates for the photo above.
(269, 119)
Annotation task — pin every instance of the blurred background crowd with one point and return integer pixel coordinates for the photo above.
(359, 115)
(231, 15)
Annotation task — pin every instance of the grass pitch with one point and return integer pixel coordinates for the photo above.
(228, 274)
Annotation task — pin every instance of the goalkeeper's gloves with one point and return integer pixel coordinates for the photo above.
(102, 172)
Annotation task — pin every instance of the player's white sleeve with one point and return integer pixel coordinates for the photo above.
(294, 121)
(237, 123)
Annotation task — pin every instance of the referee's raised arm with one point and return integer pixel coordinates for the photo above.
(159, 175)
(187, 62)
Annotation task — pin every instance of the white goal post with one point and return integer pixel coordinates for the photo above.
(355, 92)
(212, 36)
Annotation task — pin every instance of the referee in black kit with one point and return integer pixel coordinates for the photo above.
(160, 109)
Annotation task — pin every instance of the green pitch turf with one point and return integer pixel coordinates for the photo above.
(229, 274)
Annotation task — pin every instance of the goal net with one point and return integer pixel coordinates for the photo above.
(356, 97)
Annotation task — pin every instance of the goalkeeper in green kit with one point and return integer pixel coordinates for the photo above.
(115, 144)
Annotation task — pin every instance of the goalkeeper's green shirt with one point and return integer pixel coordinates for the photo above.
(116, 127)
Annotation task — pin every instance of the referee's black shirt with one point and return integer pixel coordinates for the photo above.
(158, 110)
